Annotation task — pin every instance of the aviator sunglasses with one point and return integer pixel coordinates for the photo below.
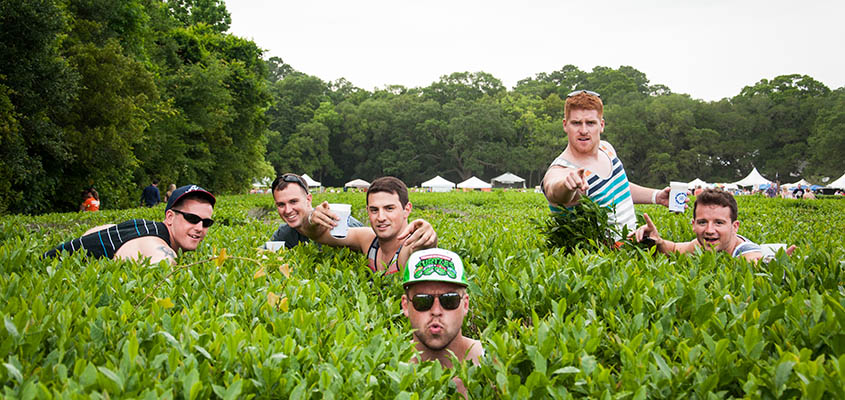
(193, 219)
(424, 302)
(589, 92)
(288, 178)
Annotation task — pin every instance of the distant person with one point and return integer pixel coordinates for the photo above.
(436, 303)
(809, 195)
(170, 190)
(390, 239)
(590, 166)
(771, 191)
(187, 218)
(293, 202)
(151, 196)
(90, 200)
(715, 225)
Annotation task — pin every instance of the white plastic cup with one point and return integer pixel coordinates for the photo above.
(274, 245)
(343, 211)
(677, 196)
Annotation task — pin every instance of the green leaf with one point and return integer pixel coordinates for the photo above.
(112, 377)
(782, 373)
(233, 391)
(566, 370)
(11, 328)
(14, 372)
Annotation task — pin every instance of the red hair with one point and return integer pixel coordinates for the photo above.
(583, 101)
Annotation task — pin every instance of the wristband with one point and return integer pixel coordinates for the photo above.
(654, 197)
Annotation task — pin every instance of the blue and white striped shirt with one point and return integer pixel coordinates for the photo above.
(607, 192)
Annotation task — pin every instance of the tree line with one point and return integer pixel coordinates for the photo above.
(113, 94)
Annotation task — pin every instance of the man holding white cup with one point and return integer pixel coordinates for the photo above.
(589, 166)
(293, 202)
(715, 226)
(390, 240)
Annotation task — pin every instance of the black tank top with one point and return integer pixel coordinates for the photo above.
(104, 243)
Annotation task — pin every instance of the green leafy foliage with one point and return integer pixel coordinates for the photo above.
(584, 225)
(316, 322)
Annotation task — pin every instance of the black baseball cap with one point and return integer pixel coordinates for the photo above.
(189, 189)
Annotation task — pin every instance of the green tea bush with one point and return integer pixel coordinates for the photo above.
(231, 321)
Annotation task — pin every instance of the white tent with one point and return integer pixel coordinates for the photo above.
(357, 183)
(802, 183)
(508, 180)
(311, 182)
(695, 183)
(753, 179)
(474, 183)
(839, 183)
(438, 184)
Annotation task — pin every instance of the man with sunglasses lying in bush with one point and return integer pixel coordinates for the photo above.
(436, 302)
(715, 225)
(293, 202)
(390, 239)
(187, 218)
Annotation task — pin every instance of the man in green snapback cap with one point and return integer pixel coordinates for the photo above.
(436, 302)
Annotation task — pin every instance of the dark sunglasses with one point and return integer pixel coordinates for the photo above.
(193, 219)
(424, 302)
(291, 178)
(589, 92)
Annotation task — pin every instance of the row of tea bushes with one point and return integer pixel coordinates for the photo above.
(234, 322)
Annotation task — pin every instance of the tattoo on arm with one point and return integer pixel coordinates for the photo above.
(167, 251)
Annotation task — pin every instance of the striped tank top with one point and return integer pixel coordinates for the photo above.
(372, 259)
(606, 192)
(104, 243)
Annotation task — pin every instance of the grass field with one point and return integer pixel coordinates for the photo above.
(311, 323)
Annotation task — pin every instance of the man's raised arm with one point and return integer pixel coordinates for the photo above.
(320, 222)
(562, 185)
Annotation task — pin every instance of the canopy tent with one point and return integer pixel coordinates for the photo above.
(474, 183)
(438, 184)
(801, 183)
(508, 180)
(695, 183)
(311, 182)
(262, 183)
(839, 183)
(753, 179)
(357, 183)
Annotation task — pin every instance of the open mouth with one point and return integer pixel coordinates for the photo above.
(435, 328)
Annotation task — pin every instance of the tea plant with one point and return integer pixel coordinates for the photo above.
(232, 321)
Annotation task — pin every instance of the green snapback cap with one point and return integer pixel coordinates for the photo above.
(434, 265)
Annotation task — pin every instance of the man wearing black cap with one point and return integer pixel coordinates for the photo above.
(186, 221)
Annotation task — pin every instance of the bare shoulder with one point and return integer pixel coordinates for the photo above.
(97, 229)
(152, 247)
(360, 238)
(474, 350)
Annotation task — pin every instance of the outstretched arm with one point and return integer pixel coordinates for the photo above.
(664, 246)
(563, 185)
(418, 235)
(318, 227)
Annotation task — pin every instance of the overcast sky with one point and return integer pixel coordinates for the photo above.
(709, 49)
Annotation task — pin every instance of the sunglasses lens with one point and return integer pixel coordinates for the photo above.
(193, 219)
(450, 301)
(422, 302)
